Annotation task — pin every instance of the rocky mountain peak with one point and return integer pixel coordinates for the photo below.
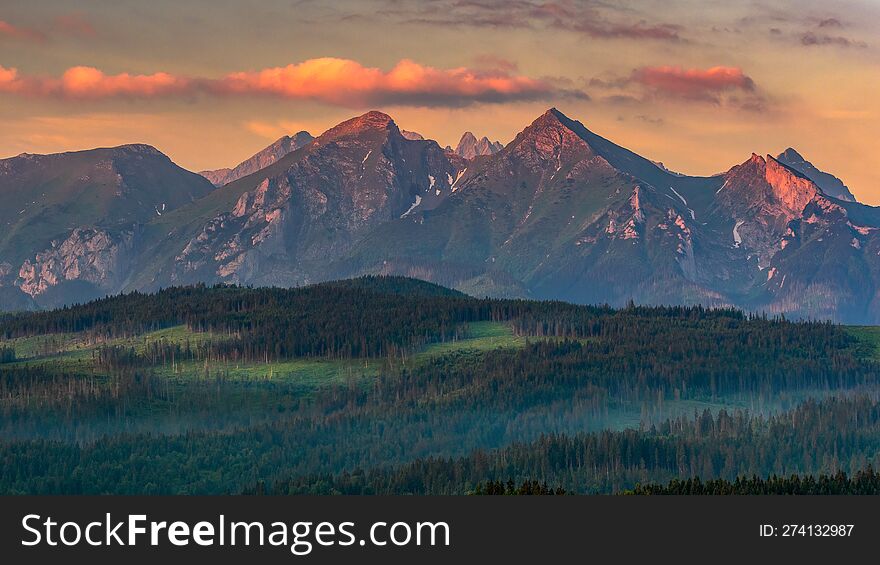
(301, 136)
(790, 154)
(758, 200)
(550, 137)
(375, 118)
(139, 148)
(550, 118)
(572, 134)
(371, 121)
(764, 181)
(467, 142)
(469, 146)
(288, 143)
(282, 146)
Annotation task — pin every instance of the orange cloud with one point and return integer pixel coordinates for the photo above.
(9, 80)
(340, 82)
(89, 82)
(344, 82)
(693, 83)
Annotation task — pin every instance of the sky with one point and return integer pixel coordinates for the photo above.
(696, 84)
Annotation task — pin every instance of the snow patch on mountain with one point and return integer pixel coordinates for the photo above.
(454, 184)
(737, 238)
(411, 208)
(683, 201)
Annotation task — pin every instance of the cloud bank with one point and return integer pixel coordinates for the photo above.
(722, 86)
(591, 18)
(339, 82)
(695, 84)
(91, 83)
(344, 82)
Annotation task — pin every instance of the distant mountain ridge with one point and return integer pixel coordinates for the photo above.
(560, 213)
(469, 146)
(278, 149)
(830, 185)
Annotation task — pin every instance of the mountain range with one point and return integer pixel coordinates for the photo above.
(558, 213)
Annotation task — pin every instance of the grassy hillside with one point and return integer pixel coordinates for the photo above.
(868, 338)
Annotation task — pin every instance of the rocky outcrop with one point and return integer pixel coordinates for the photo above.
(88, 255)
(233, 245)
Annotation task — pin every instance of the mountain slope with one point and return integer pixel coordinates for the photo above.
(818, 255)
(69, 218)
(281, 224)
(761, 197)
(261, 160)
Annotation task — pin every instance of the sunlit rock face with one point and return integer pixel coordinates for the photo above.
(761, 197)
(828, 183)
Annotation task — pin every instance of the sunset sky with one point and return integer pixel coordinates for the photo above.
(698, 85)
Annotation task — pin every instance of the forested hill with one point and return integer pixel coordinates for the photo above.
(839, 434)
(381, 316)
(395, 385)
(365, 317)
